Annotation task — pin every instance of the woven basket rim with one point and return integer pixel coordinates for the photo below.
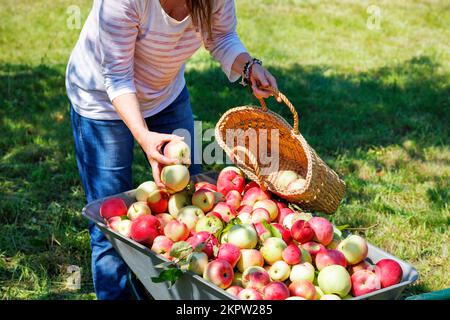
(282, 122)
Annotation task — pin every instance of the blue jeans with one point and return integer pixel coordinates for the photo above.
(104, 153)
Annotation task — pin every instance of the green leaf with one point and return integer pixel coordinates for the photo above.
(170, 275)
(343, 227)
(230, 224)
(274, 232)
(181, 249)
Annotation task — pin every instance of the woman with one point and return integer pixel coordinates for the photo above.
(125, 81)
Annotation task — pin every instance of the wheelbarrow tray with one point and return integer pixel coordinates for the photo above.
(142, 261)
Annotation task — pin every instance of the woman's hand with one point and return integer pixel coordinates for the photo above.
(152, 143)
(260, 79)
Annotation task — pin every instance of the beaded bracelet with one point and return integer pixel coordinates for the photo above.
(247, 71)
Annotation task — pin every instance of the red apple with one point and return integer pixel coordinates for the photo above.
(275, 290)
(250, 258)
(207, 238)
(226, 211)
(259, 215)
(219, 272)
(263, 232)
(304, 289)
(164, 218)
(254, 195)
(205, 185)
(283, 213)
(285, 233)
(389, 272)
(145, 229)
(313, 248)
(176, 231)
(234, 290)
(245, 209)
(302, 231)
(230, 178)
(292, 254)
(214, 214)
(323, 230)
(113, 207)
(255, 277)
(363, 282)
(251, 184)
(280, 205)
(270, 206)
(233, 199)
(204, 199)
(162, 245)
(363, 265)
(230, 253)
(158, 201)
(250, 294)
(330, 257)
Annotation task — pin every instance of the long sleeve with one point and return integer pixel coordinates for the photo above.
(225, 44)
(118, 29)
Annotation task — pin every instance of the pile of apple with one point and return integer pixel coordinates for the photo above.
(245, 241)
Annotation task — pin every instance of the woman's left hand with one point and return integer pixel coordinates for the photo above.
(261, 79)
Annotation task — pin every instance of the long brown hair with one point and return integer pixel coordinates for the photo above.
(201, 14)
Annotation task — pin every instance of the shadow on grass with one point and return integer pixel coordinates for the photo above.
(340, 114)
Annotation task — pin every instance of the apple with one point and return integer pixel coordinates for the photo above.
(275, 290)
(389, 272)
(330, 297)
(210, 224)
(219, 272)
(363, 282)
(323, 230)
(335, 242)
(245, 209)
(164, 218)
(234, 290)
(205, 185)
(138, 209)
(230, 253)
(306, 257)
(145, 229)
(304, 289)
(226, 211)
(233, 199)
(204, 199)
(250, 294)
(178, 150)
(176, 231)
(158, 201)
(292, 254)
(177, 201)
(363, 265)
(190, 215)
(313, 248)
(237, 279)
(162, 245)
(328, 258)
(285, 177)
(302, 271)
(214, 214)
(268, 205)
(144, 190)
(249, 258)
(245, 217)
(291, 218)
(301, 231)
(296, 185)
(255, 277)
(121, 225)
(254, 195)
(279, 271)
(208, 240)
(113, 222)
(243, 236)
(263, 232)
(175, 177)
(230, 178)
(354, 249)
(283, 213)
(251, 184)
(295, 298)
(113, 207)
(197, 262)
(285, 233)
(280, 205)
(334, 279)
(259, 215)
(272, 250)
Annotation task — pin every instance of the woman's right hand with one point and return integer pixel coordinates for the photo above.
(152, 143)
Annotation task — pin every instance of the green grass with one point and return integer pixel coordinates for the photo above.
(373, 103)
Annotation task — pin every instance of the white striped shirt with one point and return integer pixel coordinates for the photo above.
(134, 46)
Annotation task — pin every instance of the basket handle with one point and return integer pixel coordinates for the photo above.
(291, 107)
(253, 162)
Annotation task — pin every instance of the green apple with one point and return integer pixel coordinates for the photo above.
(177, 201)
(334, 279)
(144, 190)
(243, 236)
(190, 216)
(354, 249)
(209, 224)
(302, 271)
(272, 249)
(175, 177)
(197, 262)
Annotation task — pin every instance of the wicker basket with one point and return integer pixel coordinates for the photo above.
(243, 132)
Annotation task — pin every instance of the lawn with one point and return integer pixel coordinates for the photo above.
(373, 102)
